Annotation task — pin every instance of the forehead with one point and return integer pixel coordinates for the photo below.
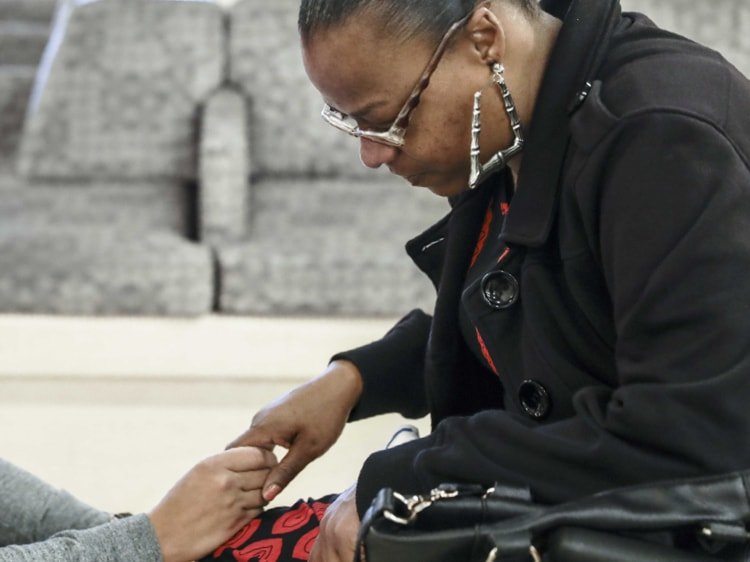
(357, 63)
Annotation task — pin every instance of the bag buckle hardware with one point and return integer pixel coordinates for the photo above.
(412, 505)
(535, 555)
(417, 504)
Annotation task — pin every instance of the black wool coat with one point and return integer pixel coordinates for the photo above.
(623, 352)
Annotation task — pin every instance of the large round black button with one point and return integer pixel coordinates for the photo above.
(534, 399)
(500, 289)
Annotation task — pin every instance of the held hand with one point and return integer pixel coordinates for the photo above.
(306, 421)
(211, 502)
(338, 531)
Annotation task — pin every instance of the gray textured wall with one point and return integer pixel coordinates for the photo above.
(721, 24)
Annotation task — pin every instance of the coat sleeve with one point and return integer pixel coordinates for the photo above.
(40, 522)
(674, 247)
(124, 540)
(392, 370)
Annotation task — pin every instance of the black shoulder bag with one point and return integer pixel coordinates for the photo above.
(691, 520)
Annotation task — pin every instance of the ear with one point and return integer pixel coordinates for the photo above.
(487, 35)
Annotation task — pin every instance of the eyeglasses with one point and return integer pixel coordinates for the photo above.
(394, 136)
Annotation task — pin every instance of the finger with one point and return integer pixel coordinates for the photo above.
(263, 460)
(254, 437)
(252, 500)
(254, 513)
(286, 471)
(243, 459)
(252, 480)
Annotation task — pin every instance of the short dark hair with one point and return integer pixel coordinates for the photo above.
(405, 18)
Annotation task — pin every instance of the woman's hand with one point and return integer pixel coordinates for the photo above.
(306, 421)
(211, 503)
(338, 530)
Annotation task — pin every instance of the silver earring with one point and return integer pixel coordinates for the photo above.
(480, 171)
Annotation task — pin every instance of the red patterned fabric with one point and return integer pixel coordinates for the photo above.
(304, 546)
(282, 534)
(240, 538)
(292, 520)
(268, 550)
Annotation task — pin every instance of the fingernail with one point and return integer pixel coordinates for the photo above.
(271, 492)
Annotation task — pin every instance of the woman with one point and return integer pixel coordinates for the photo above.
(591, 327)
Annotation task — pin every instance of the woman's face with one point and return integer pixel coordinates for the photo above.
(363, 73)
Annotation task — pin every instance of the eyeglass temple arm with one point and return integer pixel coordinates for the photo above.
(402, 120)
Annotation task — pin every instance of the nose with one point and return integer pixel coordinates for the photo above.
(374, 154)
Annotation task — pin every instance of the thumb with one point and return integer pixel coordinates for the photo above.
(284, 472)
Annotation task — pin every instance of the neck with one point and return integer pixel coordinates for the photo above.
(537, 41)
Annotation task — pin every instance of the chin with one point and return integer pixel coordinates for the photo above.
(448, 189)
(436, 183)
(429, 181)
(414, 180)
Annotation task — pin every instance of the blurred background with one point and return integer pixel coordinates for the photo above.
(183, 239)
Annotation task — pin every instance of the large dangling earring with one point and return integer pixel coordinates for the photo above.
(480, 171)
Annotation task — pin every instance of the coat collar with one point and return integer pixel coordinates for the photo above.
(575, 60)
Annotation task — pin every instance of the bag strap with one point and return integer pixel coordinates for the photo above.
(710, 502)
(716, 506)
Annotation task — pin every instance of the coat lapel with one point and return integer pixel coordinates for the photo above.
(446, 390)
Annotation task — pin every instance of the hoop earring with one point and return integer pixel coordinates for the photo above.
(479, 172)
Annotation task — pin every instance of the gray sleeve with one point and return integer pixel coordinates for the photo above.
(124, 540)
(33, 511)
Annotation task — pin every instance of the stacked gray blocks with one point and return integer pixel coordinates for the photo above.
(24, 29)
(15, 87)
(22, 43)
(27, 10)
(99, 219)
(103, 271)
(328, 247)
(119, 96)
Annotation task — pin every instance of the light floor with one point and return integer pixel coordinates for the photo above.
(115, 411)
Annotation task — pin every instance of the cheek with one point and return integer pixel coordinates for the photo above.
(458, 127)
(444, 138)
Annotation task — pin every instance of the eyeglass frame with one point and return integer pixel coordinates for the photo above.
(395, 136)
